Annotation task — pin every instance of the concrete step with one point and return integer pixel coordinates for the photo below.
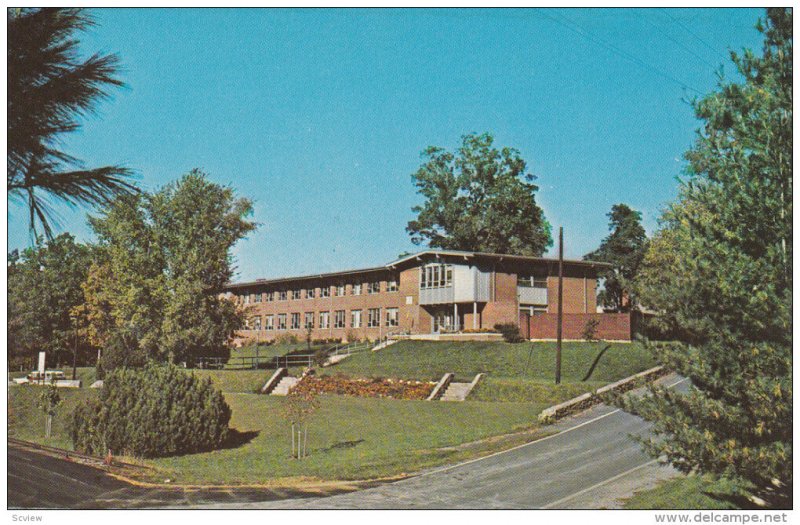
(456, 392)
(285, 385)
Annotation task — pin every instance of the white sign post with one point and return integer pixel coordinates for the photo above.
(41, 366)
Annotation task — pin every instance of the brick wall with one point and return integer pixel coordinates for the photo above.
(611, 327)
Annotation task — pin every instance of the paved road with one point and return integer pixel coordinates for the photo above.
(589, 464)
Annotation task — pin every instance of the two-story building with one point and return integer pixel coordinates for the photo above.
(435, 291)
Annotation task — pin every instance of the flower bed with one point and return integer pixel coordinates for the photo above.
(345, 386)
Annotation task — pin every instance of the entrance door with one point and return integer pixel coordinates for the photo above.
(443, 321)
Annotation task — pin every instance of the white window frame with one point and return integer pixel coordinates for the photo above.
(391, 286)
(392, 317)
(339, 319)
(356, 289)
(373, 318)
(281, 321)
(324, 291)
(269, 322)
(355, 318)
(324, 320)
(374, 287)
(308, 320)
(311, 293)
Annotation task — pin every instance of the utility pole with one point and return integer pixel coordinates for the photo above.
(560, 302)
(75, 350)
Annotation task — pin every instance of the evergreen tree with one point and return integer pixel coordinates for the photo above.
(624, 248)
(480, 200)
(720, 273)
(50, 89)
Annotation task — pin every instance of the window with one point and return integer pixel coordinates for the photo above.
(324, 319)
(338, 291)
(247, 299)
(392, 317)
(436, 276)
(310, 293)
(325, 291)
(295, 321)
(309, 320)
(357, 289)
(373, 317)
(374, 287)
(269, 296)
(296, 294)
(257, 323)
(533, 280)
(269, 321)
(281, 321)
(258, 297)
(338, 319)
(532, 309)
(282, 295)
(391, 286)
(355, 319)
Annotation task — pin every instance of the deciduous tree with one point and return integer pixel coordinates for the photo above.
(624, 248)
(480, 199)
(165, 258)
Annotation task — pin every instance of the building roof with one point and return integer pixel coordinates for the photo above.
(415, 257)
(499, 256)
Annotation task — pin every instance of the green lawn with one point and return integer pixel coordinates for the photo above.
(514, 372)
(26, 422)
(349, 438)
(690, 492)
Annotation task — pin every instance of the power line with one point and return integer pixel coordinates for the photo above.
(709, 46)
(614, 49)
(681, 44)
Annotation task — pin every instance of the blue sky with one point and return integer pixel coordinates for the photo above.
(320, 115)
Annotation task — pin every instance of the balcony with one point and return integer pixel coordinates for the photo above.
(443, 295)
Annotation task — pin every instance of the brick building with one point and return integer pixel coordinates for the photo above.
(428, 292)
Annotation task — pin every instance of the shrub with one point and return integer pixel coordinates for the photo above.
(286, 339)
(590, 330)
(150, 412)
(510, 332)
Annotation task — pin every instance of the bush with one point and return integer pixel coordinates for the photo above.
(287, 339)
(590, 330)
(510, 332)
(150, 412)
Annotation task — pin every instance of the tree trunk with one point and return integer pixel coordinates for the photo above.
(305, 439)
(292, 440)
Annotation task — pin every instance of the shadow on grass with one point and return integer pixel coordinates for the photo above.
(236, 439)
(341, 445)
(596, 360)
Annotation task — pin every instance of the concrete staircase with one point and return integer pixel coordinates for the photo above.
(459, 391)
(285, 384)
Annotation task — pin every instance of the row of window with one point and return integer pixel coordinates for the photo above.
(339, 319)
(314, 293)
(436, 276)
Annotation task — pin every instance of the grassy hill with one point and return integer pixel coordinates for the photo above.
(514, 372)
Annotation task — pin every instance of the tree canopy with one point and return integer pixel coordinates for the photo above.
(44, 286)
(50, 89)
(719, 273)
(164, 260)
(624, 248)
(478, 199)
